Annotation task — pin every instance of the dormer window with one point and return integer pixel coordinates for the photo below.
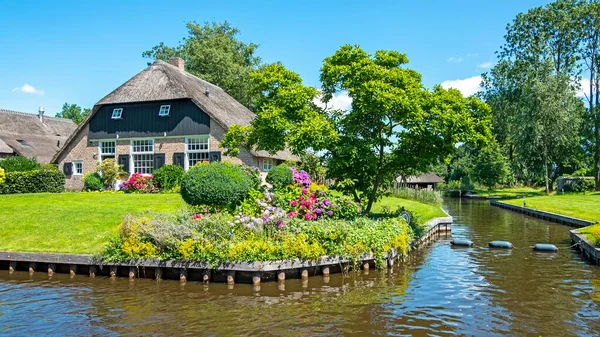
(164, 111)
(117, 113)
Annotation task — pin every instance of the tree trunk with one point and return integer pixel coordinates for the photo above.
(373, 194)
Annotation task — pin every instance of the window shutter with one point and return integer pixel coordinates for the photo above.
(124, 162)
(215, 156)
(178, 158)
(68, 169)
(159, 160)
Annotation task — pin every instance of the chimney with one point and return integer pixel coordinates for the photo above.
(178, 62)
(41, 114)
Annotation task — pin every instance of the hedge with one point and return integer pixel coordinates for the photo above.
(36, 181)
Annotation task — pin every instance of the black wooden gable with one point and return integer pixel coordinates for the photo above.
(142, 120)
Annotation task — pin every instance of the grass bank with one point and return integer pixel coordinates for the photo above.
(70, 222)
(81, 223)
(580, 206)
(592, 233)
(510, 192)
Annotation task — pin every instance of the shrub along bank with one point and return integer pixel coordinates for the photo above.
(229, 220)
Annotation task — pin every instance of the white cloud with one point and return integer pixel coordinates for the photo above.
(485, 65)
(467, 86)
(584, 88)
(28, 89)
(455, 59)
(340, 101)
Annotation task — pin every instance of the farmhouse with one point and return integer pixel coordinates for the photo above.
(162, 115)
(32, 136)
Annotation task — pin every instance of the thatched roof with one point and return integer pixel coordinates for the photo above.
(285, 155)
(163, 81)
(425, 178)
(24, 134)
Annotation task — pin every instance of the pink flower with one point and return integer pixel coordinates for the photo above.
(307, 216)
(292, 214)
(304, 191)
(293, 203)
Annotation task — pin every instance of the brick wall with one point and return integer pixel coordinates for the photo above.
(81, 149)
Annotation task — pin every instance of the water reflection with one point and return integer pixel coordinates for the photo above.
(438, 291)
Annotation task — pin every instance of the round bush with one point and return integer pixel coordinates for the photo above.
(280, 176)
(19, 164)
(93, 182)
(217, 184)
(168, 177)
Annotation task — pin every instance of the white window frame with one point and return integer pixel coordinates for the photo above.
(75, 163)
(101, 154)
(133, 153)
(164, 111)
(117, 113)
(186, 165)
(271, 161)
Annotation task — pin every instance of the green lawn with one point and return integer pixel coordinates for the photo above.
(581, 206)
(70, 222)
(510, 192)
(425, 212)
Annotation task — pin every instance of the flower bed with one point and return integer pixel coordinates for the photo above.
(298, 221)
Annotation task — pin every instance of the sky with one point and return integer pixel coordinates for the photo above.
(79, 51)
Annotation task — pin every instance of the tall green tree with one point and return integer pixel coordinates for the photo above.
(73, 112)
(214, 53)
(490, 167)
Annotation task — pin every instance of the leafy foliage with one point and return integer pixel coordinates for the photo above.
(92, 182)
(19, 164)
(280, 176)
(214, 53)
(109, 170)
(139, 183)
(312, 164)
(490, 167)
(2, 175)
(218, 184)
(33, 181)
(216, 239)
(73, 112)
(168, 177)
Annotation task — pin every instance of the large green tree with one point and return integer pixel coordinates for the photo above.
(490, 167)
(214, 53)
(395, 126)
(73, 112)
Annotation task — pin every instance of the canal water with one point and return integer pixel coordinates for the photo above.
(439, 291)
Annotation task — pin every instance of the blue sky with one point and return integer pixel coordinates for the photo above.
(79, 51)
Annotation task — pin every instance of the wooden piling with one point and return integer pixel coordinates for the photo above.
(12, 266)
(304, 274)
(280, 276)
(230, 277)
(325, 271)
(183, 275)
(51, 269)
(92, 271)
(256, 279)
(158, 273)
(72, 270)
(206, 277)
(32, 266)
(113, 271)
(132, 273)
(366, 266)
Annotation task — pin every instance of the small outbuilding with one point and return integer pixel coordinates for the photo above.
(425, 181)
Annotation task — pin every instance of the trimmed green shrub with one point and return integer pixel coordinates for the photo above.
(168, 177)
(93, 182)
(36, 181)
(217, 184)
(280, 176)
(19, 164)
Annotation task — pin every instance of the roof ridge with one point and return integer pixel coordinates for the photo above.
(30, 114)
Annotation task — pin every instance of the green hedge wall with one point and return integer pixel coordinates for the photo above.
(36, 181)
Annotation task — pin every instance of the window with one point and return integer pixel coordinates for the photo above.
(77, 167)
(197, 150)
(117, 113)
(268, 164)
(142, 156)
(164, 111)
(107, 149)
